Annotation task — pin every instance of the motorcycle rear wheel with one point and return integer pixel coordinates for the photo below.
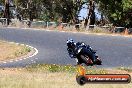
(87, 60)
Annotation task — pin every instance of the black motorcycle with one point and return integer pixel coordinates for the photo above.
(84, 54)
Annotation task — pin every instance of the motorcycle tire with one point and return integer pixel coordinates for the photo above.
(87, 60)
(98, 62)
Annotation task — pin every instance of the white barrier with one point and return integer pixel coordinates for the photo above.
(4, 21)
(119, 29)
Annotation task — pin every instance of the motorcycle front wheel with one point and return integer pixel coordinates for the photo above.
(98, 61)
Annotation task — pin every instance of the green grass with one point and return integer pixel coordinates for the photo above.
(23, 51)
(62, 68)
(128, 69)
(51, 68)
(49, 76)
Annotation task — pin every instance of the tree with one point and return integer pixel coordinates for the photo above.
(91, 14)
(6, 11)
(49, 9)
(2, 2)
(117, 11)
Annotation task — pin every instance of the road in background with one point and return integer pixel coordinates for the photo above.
(115, 51)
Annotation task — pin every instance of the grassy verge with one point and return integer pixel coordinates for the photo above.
(62, 68)
(50, 76)
(128, 69)
(12, 50)
(45, 75)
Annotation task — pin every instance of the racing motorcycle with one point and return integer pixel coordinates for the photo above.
(84, 54)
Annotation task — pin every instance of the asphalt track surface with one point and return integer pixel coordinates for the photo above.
(115, 51)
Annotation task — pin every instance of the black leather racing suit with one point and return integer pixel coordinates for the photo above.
(72, 53)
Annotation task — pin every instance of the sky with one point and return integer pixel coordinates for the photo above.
(1, 8)
(84, 12)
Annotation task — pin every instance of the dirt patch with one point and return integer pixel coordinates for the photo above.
(13, 51)
(116, 71)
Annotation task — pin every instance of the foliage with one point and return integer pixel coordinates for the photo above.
(46, 10)
(128, 69)
(62, 68)
(2, 2)
(117, 11)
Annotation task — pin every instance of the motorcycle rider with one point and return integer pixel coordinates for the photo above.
(72, 46)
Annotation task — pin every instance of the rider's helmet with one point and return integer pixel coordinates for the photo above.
(70, 43)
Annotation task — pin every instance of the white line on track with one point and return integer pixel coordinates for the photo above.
(24, 58)
(4, 62)
(16, 60)
(20, 59)
(10, 61)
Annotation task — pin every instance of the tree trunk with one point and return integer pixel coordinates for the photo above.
(7, 12)
(91, 14)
